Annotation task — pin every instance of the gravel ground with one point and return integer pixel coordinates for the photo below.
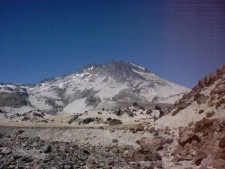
(67, 148)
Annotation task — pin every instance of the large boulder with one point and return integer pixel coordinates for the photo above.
(180, 150)
(146, 151)
(5, 151)
(151, 144)
(202, 99)
(47, 148)
(203, 124)
(88, 120)
(186, 137)
(200, 155)
(139, 127)
(115, 122)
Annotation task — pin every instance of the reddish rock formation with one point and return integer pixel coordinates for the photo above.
(222, 142)
(186, 136)
(200, 155)
(195, 95)
(151, 144)
(205, 141)
(147, 150)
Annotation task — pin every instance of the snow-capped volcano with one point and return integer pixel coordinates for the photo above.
(94, 86)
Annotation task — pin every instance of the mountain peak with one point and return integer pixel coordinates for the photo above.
(117, 63)
(119, 70)
(97, 85)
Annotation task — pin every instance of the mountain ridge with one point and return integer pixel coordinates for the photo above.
(88, 66)
(94, 86)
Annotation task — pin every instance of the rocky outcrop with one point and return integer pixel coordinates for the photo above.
(204, 143)
(151, 144)
(199, 156)
(187, 137)
(216, 80)
(14, 99)
(92, 101)
(203, 124)
(147, 155)
(115, 122)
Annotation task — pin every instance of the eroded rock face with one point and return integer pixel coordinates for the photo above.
(217, 92)
(202, 139)
(16, 99)
(92, 100)
(204, 144)
(209, 80)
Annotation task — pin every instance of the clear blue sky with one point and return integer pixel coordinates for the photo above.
(180, 40)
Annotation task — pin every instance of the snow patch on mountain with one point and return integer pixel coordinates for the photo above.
(139, 67)
(96, 86)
